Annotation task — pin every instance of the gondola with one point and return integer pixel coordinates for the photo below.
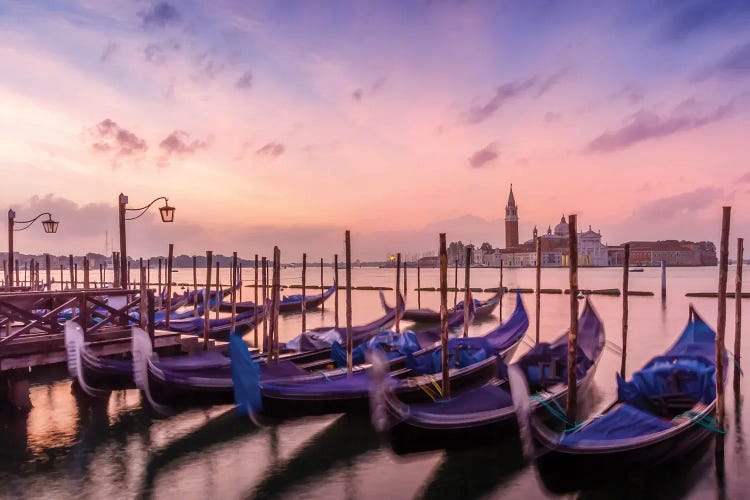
(482, 308)
(288, 304)
(486, 414)
(662, 413)
(197, 384)
(412, 377)
(218, 327)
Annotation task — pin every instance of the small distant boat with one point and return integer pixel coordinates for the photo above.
(662, 413)
(580, 295)
(289, 303)
(482, 308)
(636, 270)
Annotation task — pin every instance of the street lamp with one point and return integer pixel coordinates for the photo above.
(167, 215)
(49, 225)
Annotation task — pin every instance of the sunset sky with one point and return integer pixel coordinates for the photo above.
(287, 122)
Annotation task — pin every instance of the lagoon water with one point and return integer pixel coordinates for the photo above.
(119, 449)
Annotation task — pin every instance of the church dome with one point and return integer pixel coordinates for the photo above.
(562, 228)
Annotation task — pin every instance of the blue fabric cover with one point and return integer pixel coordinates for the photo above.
(460, 305)
(511, 331)
(484, 398)
(245, 377)
(393, 345)
(548, 362)
(357, 385)
(292, 298)
(462, 352)
(622, 423)
(664, 375)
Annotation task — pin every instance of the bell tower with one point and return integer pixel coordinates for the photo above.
(511, 221)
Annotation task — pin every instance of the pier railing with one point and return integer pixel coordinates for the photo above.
(42, 313)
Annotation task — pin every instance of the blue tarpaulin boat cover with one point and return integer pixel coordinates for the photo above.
(245, 377)
(622, 423)
(462, 352)
(392, 344)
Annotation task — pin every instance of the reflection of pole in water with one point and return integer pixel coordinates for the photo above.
(350, 490)
(738, 315)
(273, 436)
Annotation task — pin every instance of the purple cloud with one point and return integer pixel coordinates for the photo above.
(157, 52)
(271, 150)
(630, 93)
(108, 51)
(503, 93)
(178, 142)
(735, 64)
(679, 204)
(109, 137)
(645, 125)
(373, 89)
(245, 81)
(484, 156)
(160, 15)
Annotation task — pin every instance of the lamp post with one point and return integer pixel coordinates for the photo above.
(49, 225)
(167, 215)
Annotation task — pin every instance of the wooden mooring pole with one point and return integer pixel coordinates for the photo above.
(398, 289)
(322, 304)
(169, 284)
(336, 293)
(406, 286)
(219, 296)
(537, 291)
(445, 369)
(303, 304)
(158, 290)
(738, 314)
(349, 341)
(572, 400)
(86, 282)
(71, 271)
(195, 286)
(48, 270)
(419, 288)
(663, 280)
(467, 291)
(264, 273)
(721, 323)
(455, 285)
(625, 276)
(502, 293)
(276, 300)
(235, 272)
(206, 299)
(255, 303)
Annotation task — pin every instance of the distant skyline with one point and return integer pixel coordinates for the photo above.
(288, 122)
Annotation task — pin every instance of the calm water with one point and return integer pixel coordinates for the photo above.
(64, 448)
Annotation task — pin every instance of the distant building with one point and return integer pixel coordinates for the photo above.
(431, 261)
(673, 253)
(511, 221)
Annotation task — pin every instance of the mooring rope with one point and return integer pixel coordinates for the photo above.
(557, 411)
(701, 419)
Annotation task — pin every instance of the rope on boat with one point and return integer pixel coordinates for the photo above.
(701, 419)
(433, 390)
(557, 411)
(325, 375)
(613, 347)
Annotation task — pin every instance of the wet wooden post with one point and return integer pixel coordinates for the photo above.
(206, 300)
(264, 274)
(25, 269)
(348, 273)
(75, 275)
(406, 285)
(48, 271)
(303, 303)
(455, 285)
(238, 278)
(115, 271)
(721, 323)
(467, 291)
(143, 304)
(255, 303)
(625, 277)
(101, 276)
(86, 282)
(195, 286)
(62, 278)
(572, 402)
(398, 289)
(336, 292)
(235, 272)
(18, 275)
(738, 314)
(151, 315)
(276, 300)
(322, 304)
(663, 280)
(219, 296)
(158, 289)
(168, 272)
(148, 271)
(502, 292)
(6, 281)
(140, 265)
(419, 288)
(127, 280)
(444, 318)
(537, 289)
(72, 272)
